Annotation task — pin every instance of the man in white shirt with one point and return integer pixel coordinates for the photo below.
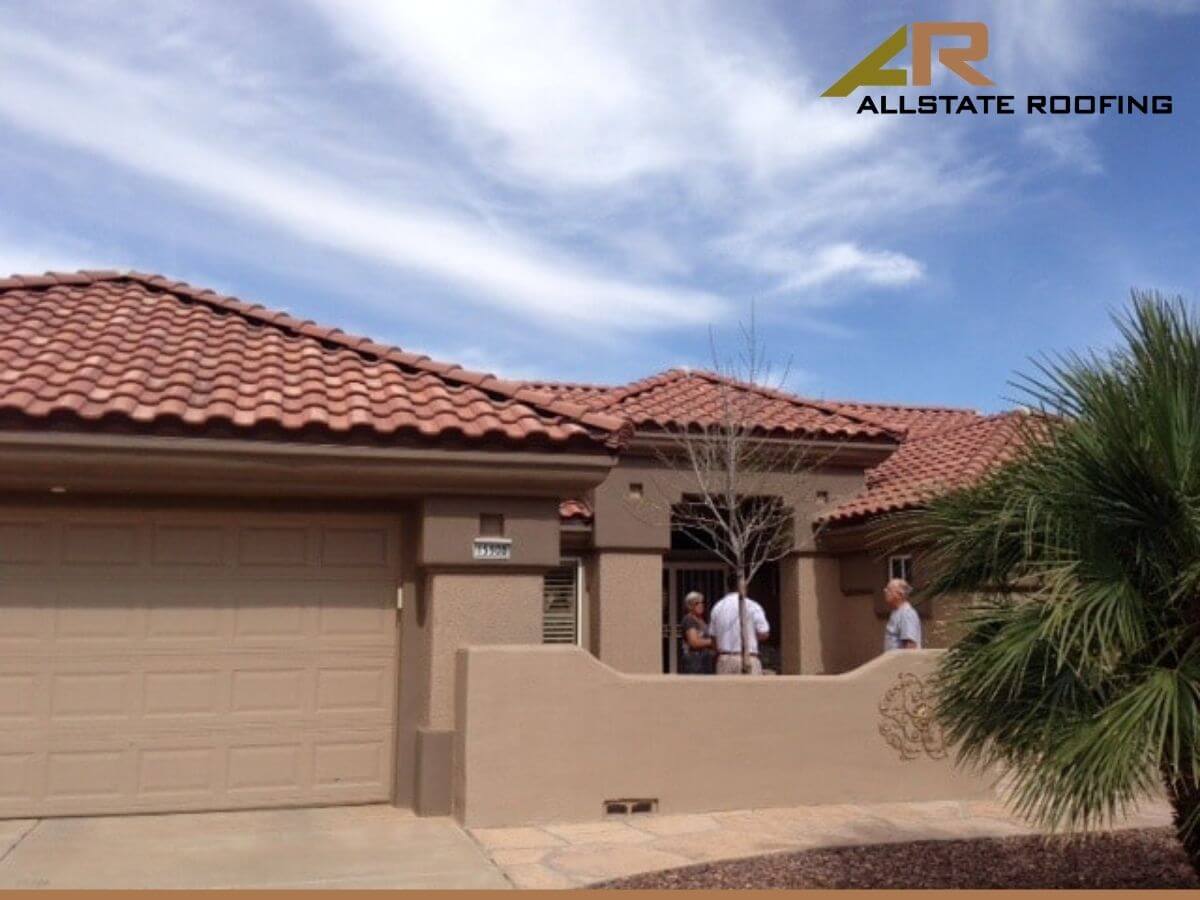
(903, 631)
(723, 626)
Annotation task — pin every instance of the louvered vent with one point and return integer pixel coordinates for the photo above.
(560, 604)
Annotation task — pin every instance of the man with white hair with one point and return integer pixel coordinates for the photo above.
(903, 630)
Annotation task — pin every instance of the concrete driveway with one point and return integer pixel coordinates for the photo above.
(335, 847)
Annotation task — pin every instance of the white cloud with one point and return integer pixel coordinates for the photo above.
(585, 167)
(131, 121)
(803, 269)
(589, 95)
(33, 255)
(876, 267)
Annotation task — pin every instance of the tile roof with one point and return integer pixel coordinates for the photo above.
(918, 421)
(140, 352)
(569, 390)
(575, 510)
(690, 398)
(943, 460)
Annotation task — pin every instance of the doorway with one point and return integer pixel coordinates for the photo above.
(679, 578)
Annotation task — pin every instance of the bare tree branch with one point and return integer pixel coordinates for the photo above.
(733, 461)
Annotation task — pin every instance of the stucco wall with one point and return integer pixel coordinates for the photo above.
(449, 526)
(622, 523)
(862, 613)
(550, 733)
(476, 609)
(626, 610)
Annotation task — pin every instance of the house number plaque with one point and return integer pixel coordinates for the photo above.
(492, 548)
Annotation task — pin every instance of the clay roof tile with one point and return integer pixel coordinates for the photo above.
(148, 349)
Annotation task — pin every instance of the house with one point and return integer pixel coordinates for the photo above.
(825, 599)
(240, 553)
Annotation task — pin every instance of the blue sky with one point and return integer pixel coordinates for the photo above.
(580, 190)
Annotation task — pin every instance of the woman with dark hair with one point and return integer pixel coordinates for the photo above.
(698, 656)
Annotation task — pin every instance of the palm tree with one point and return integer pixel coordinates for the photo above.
(1078, 675)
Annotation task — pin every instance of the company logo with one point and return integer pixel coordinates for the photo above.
(873, 71)
(870, 71)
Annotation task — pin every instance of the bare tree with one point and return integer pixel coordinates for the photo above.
(729, 454)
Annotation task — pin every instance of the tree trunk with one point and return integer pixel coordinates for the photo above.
(742, 627)
(1184, 794)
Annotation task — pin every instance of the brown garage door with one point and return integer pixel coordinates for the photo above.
(154, 661)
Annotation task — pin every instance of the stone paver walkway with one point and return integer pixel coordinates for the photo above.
(566, 856)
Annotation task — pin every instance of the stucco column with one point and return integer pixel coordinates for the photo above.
(819, 589)
(789, 614)
(627, 610)
(461, 609)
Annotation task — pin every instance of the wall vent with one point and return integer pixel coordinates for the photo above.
(630, 806)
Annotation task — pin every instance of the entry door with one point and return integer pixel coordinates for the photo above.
(159, 660)
(680, 579)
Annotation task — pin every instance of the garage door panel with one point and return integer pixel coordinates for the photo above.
(91, 697)
(356, 611)
(172, 773)
(25, 542)
(188, 545)
(173, 694)
(274, 612)
(20, 698)
(87, 774)
(24, 622)
(107, 544)
(356, 547)
(342, 763)
(281, 545)
(271, 691)
(106, 613)
(154, 662)
(359, 688)
(18, 779)
(190, 615)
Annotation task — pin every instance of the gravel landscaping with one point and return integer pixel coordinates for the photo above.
(1137, 858)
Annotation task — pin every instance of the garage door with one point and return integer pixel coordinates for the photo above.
(155, 661)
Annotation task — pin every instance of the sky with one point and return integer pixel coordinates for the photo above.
(596, 191)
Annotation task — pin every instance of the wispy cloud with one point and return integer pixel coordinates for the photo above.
(535, 187)
(36, 253)
(126, 118)
(591, 95)
(876, 267)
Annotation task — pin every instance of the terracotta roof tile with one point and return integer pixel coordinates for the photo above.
(576, 510)
(97, 348)
(919, 421)
(943, 460)
(685, 398)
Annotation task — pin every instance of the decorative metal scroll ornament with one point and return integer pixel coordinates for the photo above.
(907, 721)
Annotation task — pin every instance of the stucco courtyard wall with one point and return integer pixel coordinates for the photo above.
(549, 733)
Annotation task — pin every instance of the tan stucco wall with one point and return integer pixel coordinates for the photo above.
(622, 523)
(863, 612)
(450, 601)
(626, 610)
(791, 615)
(413, 674)
(476, 609)
(945, 626)
(550, 733)
(450, 525)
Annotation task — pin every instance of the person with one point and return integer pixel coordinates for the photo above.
(903, 631)
(698, 655)
(724, 625)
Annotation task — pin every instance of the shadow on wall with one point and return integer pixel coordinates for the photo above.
(547, 734)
